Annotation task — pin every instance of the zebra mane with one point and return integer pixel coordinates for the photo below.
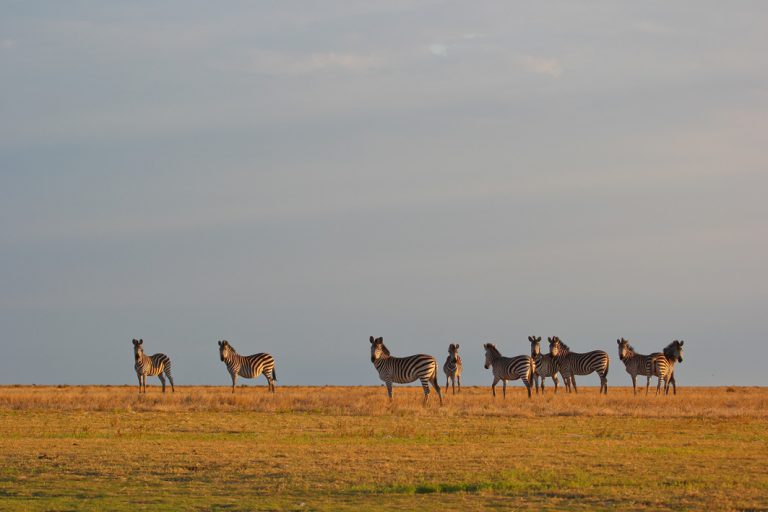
(631, 349)
(492, 349)
(563, 346)
(384, 348)
(669, 350)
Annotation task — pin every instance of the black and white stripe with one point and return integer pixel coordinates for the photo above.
(404, 370)
(248, 367)
(545, 364)
(571, 364)
(636, 364)
(453, 367)
(663, 365)
(156, 364)
(508, 368)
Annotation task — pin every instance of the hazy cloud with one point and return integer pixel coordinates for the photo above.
(543, 66)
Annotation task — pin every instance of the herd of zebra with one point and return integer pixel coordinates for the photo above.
(422, 367)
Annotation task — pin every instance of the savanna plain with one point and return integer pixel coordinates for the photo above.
(347, 448)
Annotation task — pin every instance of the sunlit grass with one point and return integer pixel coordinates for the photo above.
(331, 448)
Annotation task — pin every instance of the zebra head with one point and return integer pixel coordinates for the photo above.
(138, 349)
(491, 354)
(225, 349)
(378, 350)
(625, 349)
(557, 347)
(535, 345)
(674, 351)
(453, 352)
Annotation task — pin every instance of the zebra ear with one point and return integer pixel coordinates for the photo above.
(372, 340)
(618, 342)
(135, 341)
(681, 343)
(538, 339)
(219, 342)
(457, 346)
(530, 338)
(141, 341)
(380, 339)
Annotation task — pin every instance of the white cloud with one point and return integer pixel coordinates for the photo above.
(276, 63)
(438, 49)
(541, 65)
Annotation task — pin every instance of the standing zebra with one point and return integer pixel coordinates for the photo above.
(452, 367)
(574, 363)
(545, 364)
(508, 368)
(636, 364)
(248, 367)
(663, 365)
(404, 370)
(156, 364)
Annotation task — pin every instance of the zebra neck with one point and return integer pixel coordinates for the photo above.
(233, 358)
(380, 362)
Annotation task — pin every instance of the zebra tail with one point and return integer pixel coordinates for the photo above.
(274, 373)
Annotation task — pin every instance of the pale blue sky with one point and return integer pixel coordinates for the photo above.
(295, 177)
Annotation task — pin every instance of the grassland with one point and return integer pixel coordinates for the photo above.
(334, 448)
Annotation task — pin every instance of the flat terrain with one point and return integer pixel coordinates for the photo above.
(339, 448)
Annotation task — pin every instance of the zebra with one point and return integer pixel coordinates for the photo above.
(156, 364)
(571, 364)
(663, 365)
(248, 367)
(636, 364)
(508, 368)
(545, 364)
(404, 370)
(453, 367)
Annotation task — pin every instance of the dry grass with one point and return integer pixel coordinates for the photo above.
(331, 448)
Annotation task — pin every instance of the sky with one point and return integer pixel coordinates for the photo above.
(295, 177)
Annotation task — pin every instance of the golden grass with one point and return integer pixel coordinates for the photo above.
(347, 448)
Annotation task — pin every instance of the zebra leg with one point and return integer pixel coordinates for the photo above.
(634, 384)
(647, 384)
(234, 381)
(536, 382)
(674, 386)
(528, 386)
(138, 375)
(437, 388)
(554, 379)
(425, 386)
(162, 380)
(447, 378)
(658, 386)
(389, 390)
(458, 380)
(504, 388)
(493, 386)
(573, 383)
(453, 385)
(144, 383)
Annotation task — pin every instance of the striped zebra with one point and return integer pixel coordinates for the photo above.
(404, 370)
(636, 364)
(248, 367)
(156, 364)
(545, 364)
(508, 368)
(452, 367)
(663, 365)
(571, 364)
